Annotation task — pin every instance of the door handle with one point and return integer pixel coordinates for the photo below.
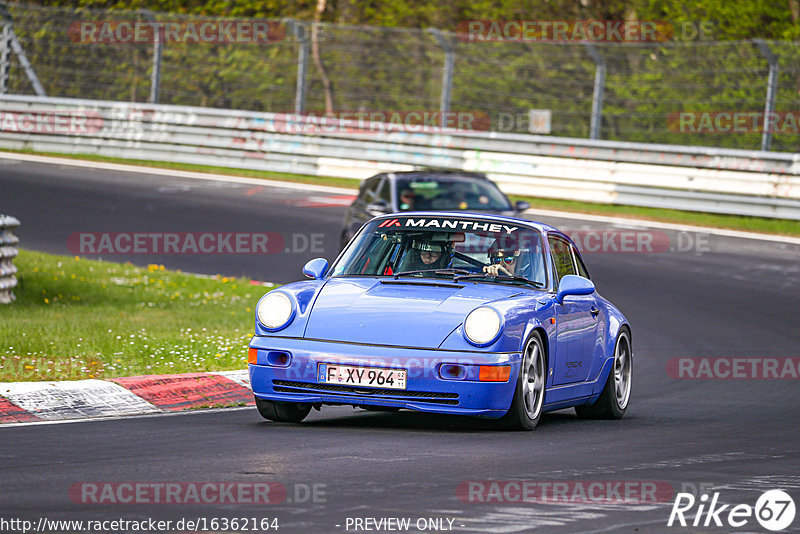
(594, 311)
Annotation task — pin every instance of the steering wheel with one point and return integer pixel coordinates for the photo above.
(469, 259)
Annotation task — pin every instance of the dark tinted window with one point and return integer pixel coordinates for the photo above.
(385, 192)
(367, 191)
(562, 257)
(579, 262)
(449, 193)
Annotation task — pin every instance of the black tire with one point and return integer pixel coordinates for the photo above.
(282, 412)
(526, 407)
(615, 398)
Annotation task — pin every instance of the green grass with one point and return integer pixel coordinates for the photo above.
(734, 222)
(77, 318)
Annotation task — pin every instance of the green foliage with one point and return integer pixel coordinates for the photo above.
(386, 66)
(105, 320)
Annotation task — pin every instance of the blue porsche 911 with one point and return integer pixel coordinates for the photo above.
(452, 313)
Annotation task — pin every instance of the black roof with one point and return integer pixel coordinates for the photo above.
(440, 173)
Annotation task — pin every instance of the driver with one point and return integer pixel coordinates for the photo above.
(427, 255)
(502, 262)
(505, 257)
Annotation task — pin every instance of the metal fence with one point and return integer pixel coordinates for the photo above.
(8, 251)
(760, 184)
(624, 92)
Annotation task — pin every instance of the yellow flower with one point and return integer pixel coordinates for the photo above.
(47, 301)
(28, 367)
(77, 258)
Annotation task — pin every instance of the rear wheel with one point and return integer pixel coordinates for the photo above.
(282, 412)
(526, 406)
(613, 401)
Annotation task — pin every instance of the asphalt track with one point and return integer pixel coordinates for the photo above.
(725, 297)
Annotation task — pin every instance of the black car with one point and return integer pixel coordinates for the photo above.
(426, 190)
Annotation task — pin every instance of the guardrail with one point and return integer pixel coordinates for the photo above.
(8, 251)
(755, 183)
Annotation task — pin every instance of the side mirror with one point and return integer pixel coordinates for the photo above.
(574, 285)
(316, 268)
(521, 205)
(379, 207)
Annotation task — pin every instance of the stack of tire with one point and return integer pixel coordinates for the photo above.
(8, 251)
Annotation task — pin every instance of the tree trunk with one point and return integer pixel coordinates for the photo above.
(326, 83)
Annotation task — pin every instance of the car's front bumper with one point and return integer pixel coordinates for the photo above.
(426, 390)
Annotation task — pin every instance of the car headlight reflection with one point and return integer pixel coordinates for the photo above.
(275, 310)
(482, 326)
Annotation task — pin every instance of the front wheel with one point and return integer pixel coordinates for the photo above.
(526, 406)
(282, 412)
(613, 401)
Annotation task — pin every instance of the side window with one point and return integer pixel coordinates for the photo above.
(385, 192)
(367, 192)
(582, 271)
(562, 257)
(366, 185)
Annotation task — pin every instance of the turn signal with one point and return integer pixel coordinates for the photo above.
(252, 355)
(494, 373)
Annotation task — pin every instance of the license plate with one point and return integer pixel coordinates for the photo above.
(373, 377)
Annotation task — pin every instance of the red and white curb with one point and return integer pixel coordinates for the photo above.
(23, 402)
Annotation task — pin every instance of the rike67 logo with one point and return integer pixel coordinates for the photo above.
(774, 510)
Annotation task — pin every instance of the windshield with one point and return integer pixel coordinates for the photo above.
(449, 193)
(443, 247)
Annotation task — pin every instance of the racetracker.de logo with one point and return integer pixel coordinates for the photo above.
(733, 368)
(376, 122)
(193, 243)
(734, 121)
(206, 32)
(560, 491)
(177, 493)
(51, 122)
(579, 31)
(621, 241)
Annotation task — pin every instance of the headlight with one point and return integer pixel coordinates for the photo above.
(275, 311)
(482, 326)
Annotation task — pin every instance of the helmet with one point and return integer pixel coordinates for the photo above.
(429, 243)
(427, 246)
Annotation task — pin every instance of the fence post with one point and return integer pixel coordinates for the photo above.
(155, 75)
(447, 71)
(772, 89)
(16, 47)
(597, 94)
(8, 252)
(5, 56)
(301, 33)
